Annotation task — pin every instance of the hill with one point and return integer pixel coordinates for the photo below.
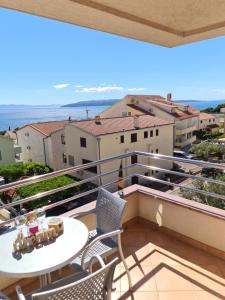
(92, 103)
(214, 109)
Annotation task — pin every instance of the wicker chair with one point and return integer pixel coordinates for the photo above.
(106, 238)
(80, 286)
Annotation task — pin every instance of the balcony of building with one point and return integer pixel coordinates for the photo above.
(185, 130)
(174, 247)
(184, 141)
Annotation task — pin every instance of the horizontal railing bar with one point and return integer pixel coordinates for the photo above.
(47, 176)
(184, 160)
(181, 174)
(61, 202)
(181, 186)
(51, 192)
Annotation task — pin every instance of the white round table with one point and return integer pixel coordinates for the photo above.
(45, 259)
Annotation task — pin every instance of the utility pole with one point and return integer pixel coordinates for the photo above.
(87, 111)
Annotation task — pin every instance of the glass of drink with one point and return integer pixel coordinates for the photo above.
(20, 221)
(40, 213)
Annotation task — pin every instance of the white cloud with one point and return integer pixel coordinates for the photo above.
(78, 86)
(222, 91)
(100, 89)
(137, 89)
(61, 85)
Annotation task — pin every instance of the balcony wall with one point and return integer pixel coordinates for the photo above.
(186, 142)
(185, 130)
(191, 222)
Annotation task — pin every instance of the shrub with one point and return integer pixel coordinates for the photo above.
(14, 171)
(35, 188)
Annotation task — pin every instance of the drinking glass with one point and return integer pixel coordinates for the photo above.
(20, 221)
(40, 213)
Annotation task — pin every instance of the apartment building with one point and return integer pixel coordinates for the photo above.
(95, 139)
(38, 143)
(185, 117)
(206, 121)
(9, 151)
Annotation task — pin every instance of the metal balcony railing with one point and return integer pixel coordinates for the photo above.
(154, 156)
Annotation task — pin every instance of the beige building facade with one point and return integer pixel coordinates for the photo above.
(43, 142)
(88, 141)
(185, 117)
(9, 151)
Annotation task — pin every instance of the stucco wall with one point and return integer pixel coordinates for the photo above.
(55, 150)
(110, 146)
(35, 141)
(7, 155)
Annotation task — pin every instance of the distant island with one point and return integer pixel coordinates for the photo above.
(92, 103)
(214, 109)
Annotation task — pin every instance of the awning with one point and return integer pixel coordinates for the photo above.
(163, 22)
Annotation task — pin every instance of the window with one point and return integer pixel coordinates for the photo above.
(214, 120)
(151, 133)
(133, 137)
(91, 169)
(64, 158)
(83, 142)
(27, 134)
(30, 159)
(145, 134)
(156, 150)
(63, 139)
(0, 155)
(134, 180)
(71, 160)
(146, 173)
(124, 114)
(209, 120)
(28, 147)
(122, 139)
(157, 132)
(129, 113)
(201, 121)
(133, 159)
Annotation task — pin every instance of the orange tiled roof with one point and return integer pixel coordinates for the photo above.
(119, 124)
(162, 103)
(47, 128)
(205, 116)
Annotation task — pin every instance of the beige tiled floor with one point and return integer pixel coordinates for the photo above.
(164, 268)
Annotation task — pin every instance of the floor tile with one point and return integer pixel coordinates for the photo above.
(142, 279)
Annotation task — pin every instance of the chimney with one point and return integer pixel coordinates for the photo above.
(169, 97)
(136, 122)
(97, 120)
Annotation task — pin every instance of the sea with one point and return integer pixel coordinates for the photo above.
(13, 116)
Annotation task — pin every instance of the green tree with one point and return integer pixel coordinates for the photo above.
(14, 171)
(47, 185)
(209, 187)
(205, 149)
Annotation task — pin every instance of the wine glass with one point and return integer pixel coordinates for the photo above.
(41, 213)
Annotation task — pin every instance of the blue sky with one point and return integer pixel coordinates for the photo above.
(48, 62)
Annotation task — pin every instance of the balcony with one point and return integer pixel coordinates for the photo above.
(185, 141)
(170, 243)
(185, 130)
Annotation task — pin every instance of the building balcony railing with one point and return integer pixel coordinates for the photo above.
(162, 221)
(185, 142)
(185, 130)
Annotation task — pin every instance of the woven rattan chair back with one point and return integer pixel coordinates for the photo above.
(109, 212)
(92, 287)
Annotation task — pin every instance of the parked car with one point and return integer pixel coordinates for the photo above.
(211, 172)
(182, 154)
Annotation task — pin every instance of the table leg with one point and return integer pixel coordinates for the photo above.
(45, 280)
